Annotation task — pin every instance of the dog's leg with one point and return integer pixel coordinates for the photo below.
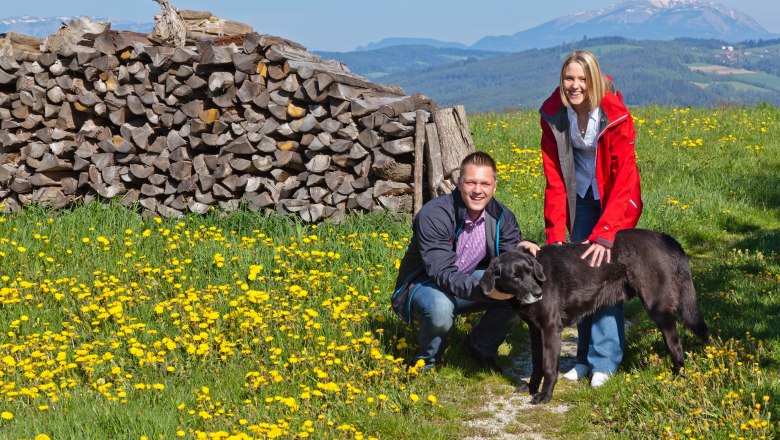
(551, 356)
(536, 359)
(666, 322)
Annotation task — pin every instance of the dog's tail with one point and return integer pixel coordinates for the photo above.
(689, 305)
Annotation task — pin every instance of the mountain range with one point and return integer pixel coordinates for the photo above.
(638, 19)
(42, 27)
(681, 72)
(668, 52)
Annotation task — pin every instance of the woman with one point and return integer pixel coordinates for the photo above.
(592, 190)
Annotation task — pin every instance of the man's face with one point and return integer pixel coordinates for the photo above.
(477, 185)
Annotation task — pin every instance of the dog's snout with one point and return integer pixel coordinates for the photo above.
(532, 296)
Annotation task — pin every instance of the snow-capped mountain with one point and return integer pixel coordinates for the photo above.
(44, 26)
(637, 19)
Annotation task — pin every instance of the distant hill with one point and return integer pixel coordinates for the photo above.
(637, 19)
(42, 27)
(679, 72)
(403, 41)
(378, 63)
(670, 52)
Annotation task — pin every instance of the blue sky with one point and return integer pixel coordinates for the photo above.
(342, 25)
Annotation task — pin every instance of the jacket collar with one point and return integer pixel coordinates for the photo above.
(554, 112)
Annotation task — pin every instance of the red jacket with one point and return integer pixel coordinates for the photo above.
(617, 175)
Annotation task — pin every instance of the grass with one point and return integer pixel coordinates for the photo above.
(759, 79)
(245, 326)
(740, 86)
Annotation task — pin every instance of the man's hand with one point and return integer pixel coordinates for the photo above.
(529, 246)
(597, 253)
(495, 294)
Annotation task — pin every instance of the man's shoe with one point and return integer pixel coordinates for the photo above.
(599, 379)
(485, 362)
(422, 366)
(578, 372)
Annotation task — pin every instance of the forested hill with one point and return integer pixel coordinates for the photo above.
(684, 72)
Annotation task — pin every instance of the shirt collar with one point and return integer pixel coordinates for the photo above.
(593, 115)
(479, 219)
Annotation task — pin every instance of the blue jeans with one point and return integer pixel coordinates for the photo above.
(435, 312)
(601, 335)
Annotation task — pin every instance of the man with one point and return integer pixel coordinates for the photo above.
(454, 238)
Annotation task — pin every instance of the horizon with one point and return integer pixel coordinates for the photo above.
(344, 25)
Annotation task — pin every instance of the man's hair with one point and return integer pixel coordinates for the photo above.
(479, 159)
(594, 79)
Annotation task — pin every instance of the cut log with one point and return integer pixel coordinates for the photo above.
(388, 168)
(400, 146)
(312, 212)
(257, 201)
(390, 188)
(169, 26)
(180, 170)
(454, 138)
(433, 160)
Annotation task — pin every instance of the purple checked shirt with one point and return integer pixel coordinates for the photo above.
(471, 244)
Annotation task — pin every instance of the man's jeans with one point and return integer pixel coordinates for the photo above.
(601, 335)
(435, 312)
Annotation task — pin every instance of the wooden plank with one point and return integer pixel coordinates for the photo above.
(433, 159)
(419, 145)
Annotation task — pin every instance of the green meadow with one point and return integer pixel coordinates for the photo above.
(234, 326)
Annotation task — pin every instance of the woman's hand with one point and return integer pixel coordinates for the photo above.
(597, 253)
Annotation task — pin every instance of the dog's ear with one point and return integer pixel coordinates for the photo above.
(488, 281)
(538, 271)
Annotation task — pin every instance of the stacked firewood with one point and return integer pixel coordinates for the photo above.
(246, 119)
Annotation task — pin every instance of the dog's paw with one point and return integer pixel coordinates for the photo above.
(541, 398)
(522, 387)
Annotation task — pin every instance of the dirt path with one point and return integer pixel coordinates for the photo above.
(502, 411)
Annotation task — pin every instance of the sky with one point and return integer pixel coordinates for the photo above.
(342, 25)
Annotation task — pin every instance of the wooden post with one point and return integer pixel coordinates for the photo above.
(419, 146)
(433, 159)
(455, 138)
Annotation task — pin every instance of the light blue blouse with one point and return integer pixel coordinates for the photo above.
(585, 148)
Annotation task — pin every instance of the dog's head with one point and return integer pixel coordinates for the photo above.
(515, 273)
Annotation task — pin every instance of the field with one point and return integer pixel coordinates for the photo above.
(244, 326)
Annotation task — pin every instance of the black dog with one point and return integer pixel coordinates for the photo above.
(647, 264)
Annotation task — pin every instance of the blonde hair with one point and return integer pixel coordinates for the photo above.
(594, 79)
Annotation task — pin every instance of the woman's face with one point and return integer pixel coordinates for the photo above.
(575, 86)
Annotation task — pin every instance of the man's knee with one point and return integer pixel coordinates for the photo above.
(442, 318)
(439, 314)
